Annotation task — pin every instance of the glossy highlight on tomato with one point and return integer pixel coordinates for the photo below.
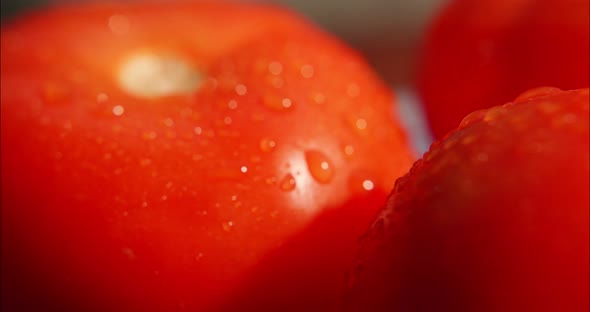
(495, 217)
(161, 157)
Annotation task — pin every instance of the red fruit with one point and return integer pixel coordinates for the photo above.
(481, 53)
(154, 156)
(493, 218)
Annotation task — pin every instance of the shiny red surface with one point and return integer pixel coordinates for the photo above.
(112, 202)
(495, 217)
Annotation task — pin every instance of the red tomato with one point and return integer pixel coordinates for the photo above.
(155, 157)
(494, 217)
(482, 53)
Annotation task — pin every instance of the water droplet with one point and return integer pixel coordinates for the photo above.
(102, 97)
(227, 226)
(227, 120)
(286, 102)
(275, 68)
(267, 145)
(361, 124)
(149, 135)
(278, 103)
(287, 183)
(129, 253)
(232, 104)
(368, 185)
(118, 110)
(319, 166)
(119, 24)
(307, 71)
(276, 82)
(493, 113)
(168, 122)
(198, 130)
(536, 92)
(145, 162)
(348, 150)
(473, 117)
(319, 98)
(241, 89)
(244, 169)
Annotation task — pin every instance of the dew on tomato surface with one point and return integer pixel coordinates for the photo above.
(275, 68)
(267, 145)
(227, 226)
(319, 166)
(473, 117)
(348, 150)
(368, 185)
(536, 92)
(168, 122)
(199, 256)
(118, 110)
(232, 104)
(307, 71)
(241, 89)
(276, 82)
(319, 98)
(287, 183)
(278, 103)
(361, 124)
(149, 135)
(102, 97)
(286, 102)
(129, 253)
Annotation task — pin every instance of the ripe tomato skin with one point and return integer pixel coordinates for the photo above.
(493, 218)
(478, 54)
(114, 201)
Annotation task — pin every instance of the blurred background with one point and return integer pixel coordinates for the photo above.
(387, 32)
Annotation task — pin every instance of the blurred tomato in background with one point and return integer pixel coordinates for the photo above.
(478, 54)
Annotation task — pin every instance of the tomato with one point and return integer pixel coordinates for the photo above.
(494, 217)
(156, 157)
(478, 54)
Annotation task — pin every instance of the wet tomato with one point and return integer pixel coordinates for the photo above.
(493, 218)
(162, 157)
(479, 54)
